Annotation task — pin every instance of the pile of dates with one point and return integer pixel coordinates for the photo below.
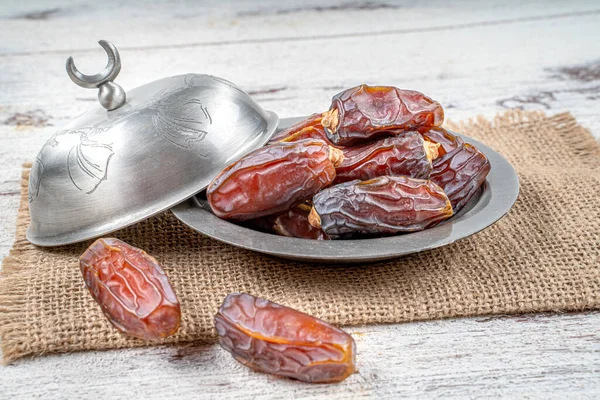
(376, 163)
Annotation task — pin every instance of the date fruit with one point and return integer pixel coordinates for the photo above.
(290, 223)
(312, 121)
(408, 154)
(380, 206)
(461, 174)
(365, 112)
(282, 341)
(447, 142)
(272, 179)
(131, 288)
(294, 223)
(310, 132)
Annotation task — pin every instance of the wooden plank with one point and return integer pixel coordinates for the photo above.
(481, 70)
(70, 26)
(539, 356)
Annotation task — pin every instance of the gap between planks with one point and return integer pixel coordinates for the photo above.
(450, 27)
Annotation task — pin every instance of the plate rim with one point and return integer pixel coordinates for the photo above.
(500, 193)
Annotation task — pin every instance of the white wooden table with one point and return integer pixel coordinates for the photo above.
(474, 57)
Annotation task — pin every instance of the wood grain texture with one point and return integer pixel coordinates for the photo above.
(539, 356)
(293, 56)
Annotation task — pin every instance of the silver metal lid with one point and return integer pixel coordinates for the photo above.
(162, 143)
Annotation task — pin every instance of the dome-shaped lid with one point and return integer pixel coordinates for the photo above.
(162, 143)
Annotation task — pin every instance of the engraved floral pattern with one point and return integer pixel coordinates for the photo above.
(181, 119)
(37, 171)
(178, 120)
(87, 162)
(87, 159)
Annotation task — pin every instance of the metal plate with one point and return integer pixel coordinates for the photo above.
(496, 196)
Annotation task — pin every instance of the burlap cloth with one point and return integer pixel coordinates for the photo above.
(543, 256)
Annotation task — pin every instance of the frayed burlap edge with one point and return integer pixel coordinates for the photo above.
(579, 138)
(11, 315)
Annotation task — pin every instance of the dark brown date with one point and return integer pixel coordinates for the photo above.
(408, 154)
(447, 141)
(380, 206)
(461, 174)
(294, 223)
(310, 132)
(312, 121)
(272, 179)
(131, 288)
(291, 223)
(365, 112)
(282, 341)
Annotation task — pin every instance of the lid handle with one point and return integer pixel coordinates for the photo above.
(110, 95)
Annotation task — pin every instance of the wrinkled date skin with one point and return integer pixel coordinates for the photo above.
(272, 179)
(282, 341)
(365, 112)
(448, 142)
(290, 223)
(131, 288)
(461, 174)
(408, 154)
(310, 132)
(312, 121)
(294, 223)
(380, 206)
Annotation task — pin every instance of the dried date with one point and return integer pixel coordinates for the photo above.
(131, 288)
(312, 121)
(294, 223)
(447, 142)
(310, 132)
(282, 341)
(290, 223)
(408, 154)
(461, 173)
(380, 206)
(272, 179)
(365, 112)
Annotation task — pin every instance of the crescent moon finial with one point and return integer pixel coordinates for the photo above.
(111, 95)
